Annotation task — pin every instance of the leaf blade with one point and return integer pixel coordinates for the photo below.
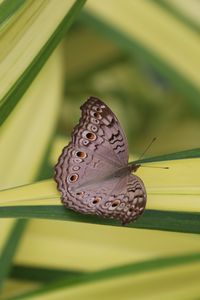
(10, 248)
(152, 219)
(114, 272)
(15, 93)
(144, 40)
(8, 8)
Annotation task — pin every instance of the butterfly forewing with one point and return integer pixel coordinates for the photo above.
(98, 119)
(88, 172)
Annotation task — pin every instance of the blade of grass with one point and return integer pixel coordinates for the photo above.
(176, 189)
(20, 132)
(171, 8)
(19, 88)
(29, 112)
(31, 273)
(152, 219)
(22, 129)
(192, 153)
(165, 217)
(8, 8)
(140, 40)
(114, 272)
(10, 249)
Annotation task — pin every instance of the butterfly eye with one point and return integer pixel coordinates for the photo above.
(81, 154)
(96, 200)
(94, 121)
(98, 109)
(92, 127)
(77, 160)
(75, 168)
(80, 193)
(85, 142)
(97, 115)
(116, 203)
(91, 136)
(73, 178)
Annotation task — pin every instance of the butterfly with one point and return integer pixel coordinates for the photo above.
(93, 174)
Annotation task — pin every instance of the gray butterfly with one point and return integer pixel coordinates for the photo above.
(93, 174)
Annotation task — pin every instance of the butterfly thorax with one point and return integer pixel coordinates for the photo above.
(119, 173)
(127, 170)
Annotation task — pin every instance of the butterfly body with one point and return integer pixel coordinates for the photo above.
(93, 174)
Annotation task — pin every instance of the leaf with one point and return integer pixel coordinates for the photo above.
(152, 219)
(61, 287)
(145, 29)
(27, 160)
(44, 275)
(165, 188)
(19, 133)
(45, 194)
(173, 200)
(31, 60)
(9, 8)
(193, 153)
(10, 249)
(185, 11)
(22, 130)
(79, 245)
(173, 204)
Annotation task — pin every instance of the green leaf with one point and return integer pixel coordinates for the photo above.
(8, 8)
(10, 248)
(173, 207)
(191, 153)
(152, 219)
(16, 91)
(179, 9)
(32, 273)
(20, 132)
(145, 29)
(114, 272)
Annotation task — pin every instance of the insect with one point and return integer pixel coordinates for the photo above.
(93, 174)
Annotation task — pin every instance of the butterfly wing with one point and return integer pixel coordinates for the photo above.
(99, 122)
(122, 198)
(85, 170)
(117, 198)
(98, 145)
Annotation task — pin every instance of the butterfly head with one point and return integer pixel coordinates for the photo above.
(134, 167)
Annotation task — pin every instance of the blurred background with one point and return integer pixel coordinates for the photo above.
(143, 59)
(143, 78)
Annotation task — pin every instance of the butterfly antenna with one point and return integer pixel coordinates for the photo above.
(134, 166)
(147, 148)
(157, 167)
(145, 151)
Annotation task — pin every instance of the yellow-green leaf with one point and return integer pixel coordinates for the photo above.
(148, 29)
